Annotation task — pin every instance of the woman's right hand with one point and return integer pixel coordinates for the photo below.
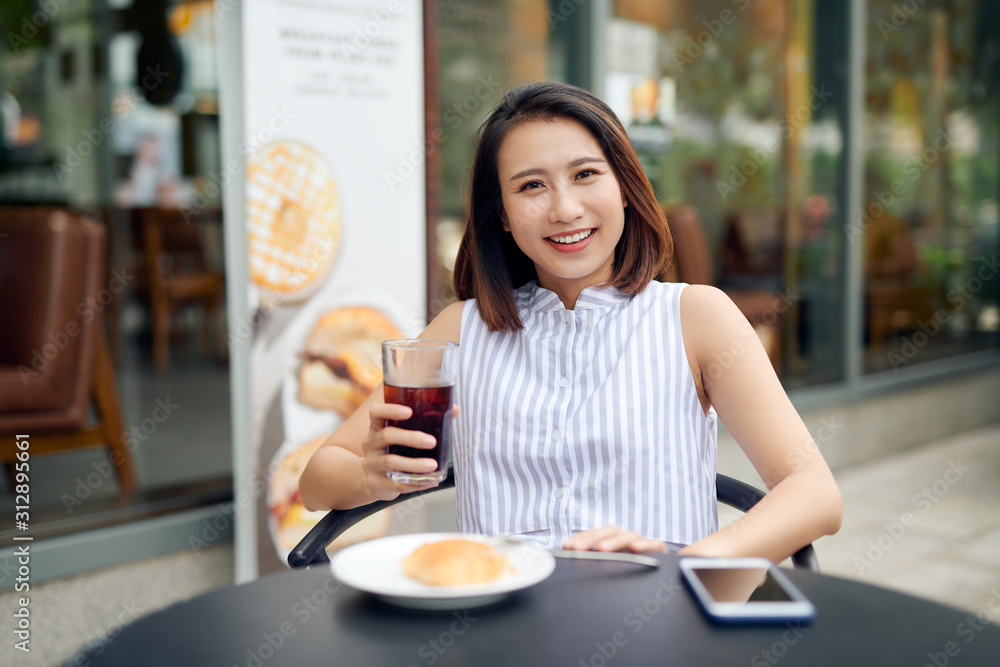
(378, 462)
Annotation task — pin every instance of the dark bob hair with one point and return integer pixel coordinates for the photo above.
(490, 266)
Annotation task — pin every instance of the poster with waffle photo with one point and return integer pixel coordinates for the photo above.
(332, 102)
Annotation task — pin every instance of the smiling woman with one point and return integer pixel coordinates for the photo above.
(490, 262)
(587, 391)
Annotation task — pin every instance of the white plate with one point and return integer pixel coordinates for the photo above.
(377, 567)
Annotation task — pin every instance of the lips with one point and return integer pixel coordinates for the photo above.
(572, 241)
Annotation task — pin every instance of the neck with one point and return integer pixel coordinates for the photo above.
(568, 291)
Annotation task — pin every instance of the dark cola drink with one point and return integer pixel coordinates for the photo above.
(431, 414)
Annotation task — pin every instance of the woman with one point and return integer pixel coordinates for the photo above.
(588, 392)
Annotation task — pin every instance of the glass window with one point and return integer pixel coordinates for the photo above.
(932, 133)
(109, 108)
(737, 111)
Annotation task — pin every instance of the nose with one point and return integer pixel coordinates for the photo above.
(565, 206)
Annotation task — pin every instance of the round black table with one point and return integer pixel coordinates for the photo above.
(586, 614)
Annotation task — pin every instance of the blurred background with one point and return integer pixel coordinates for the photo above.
(833, 166)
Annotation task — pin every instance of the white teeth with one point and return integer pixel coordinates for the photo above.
(579, 236)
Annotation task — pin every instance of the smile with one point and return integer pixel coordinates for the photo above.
(573, 238)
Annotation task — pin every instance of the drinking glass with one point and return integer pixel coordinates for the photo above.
(421, 374)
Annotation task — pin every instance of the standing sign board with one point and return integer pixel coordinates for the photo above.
(332, 222)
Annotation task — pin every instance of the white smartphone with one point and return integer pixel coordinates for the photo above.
(745, 590)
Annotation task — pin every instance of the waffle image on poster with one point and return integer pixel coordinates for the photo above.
(293, 217)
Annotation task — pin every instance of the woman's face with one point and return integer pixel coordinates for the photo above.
(561, 202)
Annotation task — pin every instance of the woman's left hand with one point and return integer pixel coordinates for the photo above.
(613, 538)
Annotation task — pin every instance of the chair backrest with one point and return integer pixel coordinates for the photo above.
(692, 257)
(174, 241)
(182, 241)
(312, 549)
(51, 269)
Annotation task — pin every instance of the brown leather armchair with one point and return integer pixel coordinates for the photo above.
(54, 361)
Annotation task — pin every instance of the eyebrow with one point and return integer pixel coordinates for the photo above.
(574, 163)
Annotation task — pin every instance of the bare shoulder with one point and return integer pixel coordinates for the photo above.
(447, 325)
(708, 311)
(712, 327)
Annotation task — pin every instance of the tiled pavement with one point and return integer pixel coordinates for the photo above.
(924, 522)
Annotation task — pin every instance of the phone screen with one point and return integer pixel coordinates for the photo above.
(747, 585)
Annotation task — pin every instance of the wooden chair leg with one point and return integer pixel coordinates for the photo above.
(114, 329)
(161, 337)
(112, 422)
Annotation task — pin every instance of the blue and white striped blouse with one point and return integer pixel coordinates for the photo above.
(584, 418)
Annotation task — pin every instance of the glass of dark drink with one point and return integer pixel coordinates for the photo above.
(421, 375)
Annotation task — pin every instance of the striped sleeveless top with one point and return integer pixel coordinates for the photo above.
(586, 417)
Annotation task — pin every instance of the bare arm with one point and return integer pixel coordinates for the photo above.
(348, 470)
(733, 373)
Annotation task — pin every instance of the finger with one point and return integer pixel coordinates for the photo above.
(454, 411)
(584, 540)
(588, 539)
(393, 435)
(407, 464)
(620, 542)
(380, 412)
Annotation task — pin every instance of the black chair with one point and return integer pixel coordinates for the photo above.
(312, 549)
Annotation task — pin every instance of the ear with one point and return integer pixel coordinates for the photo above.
(503, 220)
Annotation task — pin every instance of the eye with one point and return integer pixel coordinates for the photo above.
(587, 173)
(530, 185)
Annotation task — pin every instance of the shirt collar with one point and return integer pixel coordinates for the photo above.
(540, 299)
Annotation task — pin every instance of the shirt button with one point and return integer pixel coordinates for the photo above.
(564, 382)
(567, 317)
(560, 492)
(556, 434)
